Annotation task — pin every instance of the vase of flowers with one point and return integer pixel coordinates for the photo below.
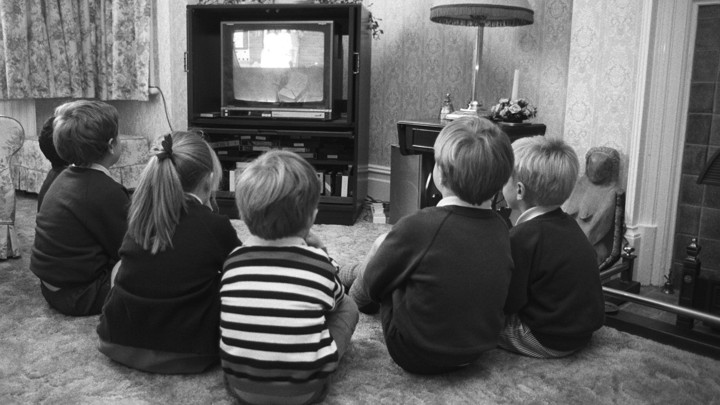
(513, 111)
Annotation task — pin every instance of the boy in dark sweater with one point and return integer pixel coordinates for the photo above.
(555, 300)
(440, 276)
(47, 147)
(83, 217)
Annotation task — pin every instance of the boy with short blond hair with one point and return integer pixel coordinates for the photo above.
(440, 276)
(285, 320)
(83, 216)
(555, 300)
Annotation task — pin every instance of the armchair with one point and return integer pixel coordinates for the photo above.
(12, 136)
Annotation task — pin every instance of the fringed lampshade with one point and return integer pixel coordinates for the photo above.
(481, 13)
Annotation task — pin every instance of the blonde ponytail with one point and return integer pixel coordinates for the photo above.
(182, 161)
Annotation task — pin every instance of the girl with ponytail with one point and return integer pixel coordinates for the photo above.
(162, 313)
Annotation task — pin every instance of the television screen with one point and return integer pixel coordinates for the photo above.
(285, 65)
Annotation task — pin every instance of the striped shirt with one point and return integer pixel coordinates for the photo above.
(274, 337)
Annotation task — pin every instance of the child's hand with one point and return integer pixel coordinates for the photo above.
(312, 240)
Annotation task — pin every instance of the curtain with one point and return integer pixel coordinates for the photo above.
(75, 49)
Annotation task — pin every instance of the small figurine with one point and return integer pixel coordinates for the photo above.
(446, 108)
(592, 202)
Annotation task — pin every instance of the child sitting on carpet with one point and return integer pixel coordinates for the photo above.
(441, 274)
(83, 216)
(47, 147)
(555, 300)
(163, 312)
(285, 321)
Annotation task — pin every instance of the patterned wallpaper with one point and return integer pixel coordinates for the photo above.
(414, 64)
(540, 52)
(577, 64)
(602, 75)
(417, 61)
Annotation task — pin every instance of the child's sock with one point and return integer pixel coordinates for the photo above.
(347, 275)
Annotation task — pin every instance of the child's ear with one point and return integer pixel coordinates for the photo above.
(311, 221)
(520, 189)
(113, 145)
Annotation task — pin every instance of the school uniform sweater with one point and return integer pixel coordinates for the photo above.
(274, 338)
(79, 228)
(444, 272)
(555, 287)
(169, 301)
(49, 179)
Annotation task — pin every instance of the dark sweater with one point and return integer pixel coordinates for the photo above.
(49, 179)
(555, 288)
(79, 228)
(169, 301)
(444, 271)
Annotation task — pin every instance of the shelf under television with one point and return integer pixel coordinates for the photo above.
(280, 132)
(314, 162)
(335, 200)
(309, 125)
(224, 194)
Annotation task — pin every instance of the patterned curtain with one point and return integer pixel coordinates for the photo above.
(75, 48)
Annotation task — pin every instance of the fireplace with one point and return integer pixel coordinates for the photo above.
(698, 289)
(710, 175)
(698, 209)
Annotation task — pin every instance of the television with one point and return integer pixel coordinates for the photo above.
(280, 69)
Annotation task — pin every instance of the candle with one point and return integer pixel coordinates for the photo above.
(516, 79)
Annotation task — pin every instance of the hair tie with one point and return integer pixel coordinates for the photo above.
(166, 152)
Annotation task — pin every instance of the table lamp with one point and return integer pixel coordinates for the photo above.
(481, 13)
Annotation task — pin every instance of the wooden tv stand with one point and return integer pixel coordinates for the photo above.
(336, 147)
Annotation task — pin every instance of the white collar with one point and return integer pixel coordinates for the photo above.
(455, 200)
(535, 212)
(196, 197)
(288, 241)
(98, 167)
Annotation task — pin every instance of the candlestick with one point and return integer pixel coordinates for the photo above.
(516, 79)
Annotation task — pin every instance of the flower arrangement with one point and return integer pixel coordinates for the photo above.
(507, 110)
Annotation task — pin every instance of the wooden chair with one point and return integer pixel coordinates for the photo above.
(12, 136)
(621, 256)
(615, 239)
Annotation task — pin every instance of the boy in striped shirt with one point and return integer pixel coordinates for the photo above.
(285, 319)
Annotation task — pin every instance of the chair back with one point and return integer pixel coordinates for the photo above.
(615, 239)
(12, 137)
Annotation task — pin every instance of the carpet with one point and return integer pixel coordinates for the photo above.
(49, 358)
